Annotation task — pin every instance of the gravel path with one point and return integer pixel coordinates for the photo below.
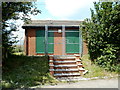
(100, 83)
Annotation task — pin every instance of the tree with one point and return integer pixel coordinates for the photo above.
(14, 11)
(102, 33)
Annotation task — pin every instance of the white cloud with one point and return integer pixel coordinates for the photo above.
(20, 32)
(33, 17)
(66, 8)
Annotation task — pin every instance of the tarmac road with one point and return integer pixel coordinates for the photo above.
(100, 83)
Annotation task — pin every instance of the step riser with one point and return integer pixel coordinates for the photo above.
(52, 67)
(64, 60)
(80, 65)
(59, 64)
(50, 63)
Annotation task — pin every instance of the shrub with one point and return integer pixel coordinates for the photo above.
(102, 33)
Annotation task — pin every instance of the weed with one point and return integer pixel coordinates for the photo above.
(24, 72)
(94, 70)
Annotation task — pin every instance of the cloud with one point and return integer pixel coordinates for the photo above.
(20, 32)
(66, 8)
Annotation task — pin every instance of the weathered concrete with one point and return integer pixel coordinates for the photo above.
(101, 83)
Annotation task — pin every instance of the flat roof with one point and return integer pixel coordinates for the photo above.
(39, 23)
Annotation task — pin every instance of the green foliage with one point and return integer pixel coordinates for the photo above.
(102, 32)
(94, 70)
(12, 11)
(18, 48)
(109, 59)
(24, 72)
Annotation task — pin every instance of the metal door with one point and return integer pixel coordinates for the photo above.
(40, 42)
(72, 41)
(51, 42)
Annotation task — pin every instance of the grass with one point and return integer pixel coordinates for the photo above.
(94, 70)
(24, 72)
(19, 53)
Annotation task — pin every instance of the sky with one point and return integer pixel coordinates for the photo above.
(59, 10)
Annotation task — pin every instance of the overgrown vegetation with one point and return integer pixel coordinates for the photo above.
(102, 33)
(24, 72)
(18, 50)
(32, 71)
(94, 70)
(13, 67)
(12, 11)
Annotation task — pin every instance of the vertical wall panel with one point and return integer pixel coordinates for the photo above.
(31, 41)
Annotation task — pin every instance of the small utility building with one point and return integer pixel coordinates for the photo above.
(53, 37)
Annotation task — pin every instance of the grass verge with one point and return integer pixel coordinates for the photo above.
(24, 72)
(94, 70)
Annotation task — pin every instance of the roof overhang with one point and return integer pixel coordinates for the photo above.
(52, 23)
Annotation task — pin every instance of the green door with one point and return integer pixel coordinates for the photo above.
(50, 42)
(72, 42)
(40, 41)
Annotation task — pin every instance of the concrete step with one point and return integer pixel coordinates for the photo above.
(85, 71)
(81, 69)
(78, 60)
(67, 74)
(79, 64)
(73, 78)
(64, 70)
(64, 57)
(65, 67)
(51, 60)
(72, 65)
(64, 61)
